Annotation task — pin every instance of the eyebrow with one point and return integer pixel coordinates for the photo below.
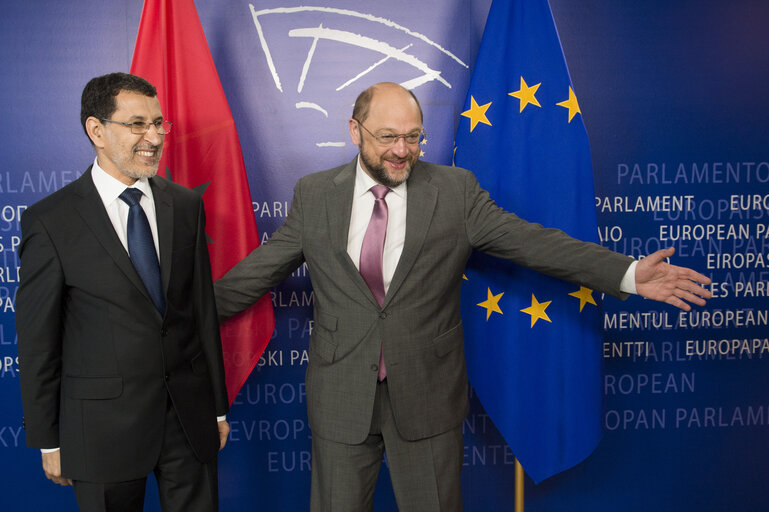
(142, 119)
(390, 130)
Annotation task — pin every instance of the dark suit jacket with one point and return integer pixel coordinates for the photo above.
(97, 361)
(419, 324)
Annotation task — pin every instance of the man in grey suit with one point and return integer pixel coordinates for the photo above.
(386, 371)
(120, 358)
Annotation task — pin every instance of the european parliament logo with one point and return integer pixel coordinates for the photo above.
(320, 58)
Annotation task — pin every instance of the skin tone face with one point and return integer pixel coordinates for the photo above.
(392, 111)
(124, 155)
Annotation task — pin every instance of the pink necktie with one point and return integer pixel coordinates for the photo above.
(371, 255)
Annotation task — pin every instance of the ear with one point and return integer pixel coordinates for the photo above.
(354, 131)
(95, 130)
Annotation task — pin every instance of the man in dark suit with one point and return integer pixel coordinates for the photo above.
(120, 361)
(386, 371)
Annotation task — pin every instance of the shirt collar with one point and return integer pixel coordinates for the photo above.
(110, 188)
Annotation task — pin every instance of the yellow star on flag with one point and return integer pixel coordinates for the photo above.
(585, 296)
(477, 114)
(491, 304)
(571, 104)
(537, 310)
(526, 94)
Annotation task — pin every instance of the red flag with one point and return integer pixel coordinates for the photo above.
(203, 151)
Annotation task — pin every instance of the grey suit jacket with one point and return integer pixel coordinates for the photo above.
(419, 325)
(97, 361)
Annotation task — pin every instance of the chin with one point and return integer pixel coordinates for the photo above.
(400, 178)
(137, 175)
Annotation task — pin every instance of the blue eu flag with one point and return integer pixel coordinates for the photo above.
(533, 342)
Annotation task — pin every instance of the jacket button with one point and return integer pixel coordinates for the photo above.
(382, 315)
(164, 332)
(374, 368)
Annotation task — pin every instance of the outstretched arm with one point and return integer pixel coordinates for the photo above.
(658, 280)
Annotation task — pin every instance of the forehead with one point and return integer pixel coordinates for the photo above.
(395, 109)
(134, 105)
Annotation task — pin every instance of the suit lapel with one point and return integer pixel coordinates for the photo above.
(164, 212)
(339, 209)
(90, 207)
(420, 205)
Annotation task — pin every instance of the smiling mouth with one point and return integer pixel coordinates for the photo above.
(147, 154)
(398, 164)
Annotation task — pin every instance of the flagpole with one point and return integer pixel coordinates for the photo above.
(518, 486)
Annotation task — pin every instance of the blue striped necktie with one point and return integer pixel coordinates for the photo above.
(141, 247)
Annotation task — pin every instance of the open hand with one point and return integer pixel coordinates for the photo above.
(658, 280)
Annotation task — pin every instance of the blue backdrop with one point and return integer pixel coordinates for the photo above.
(674, 98)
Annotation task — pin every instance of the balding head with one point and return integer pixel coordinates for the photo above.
(385, 92)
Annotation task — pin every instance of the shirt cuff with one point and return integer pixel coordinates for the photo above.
(221, 418)
(628, 281)
(48, 450)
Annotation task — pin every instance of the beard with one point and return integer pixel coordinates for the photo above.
(138, 174)
(138, 169)
(378, 171)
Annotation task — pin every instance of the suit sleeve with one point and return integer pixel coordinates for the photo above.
(39, 328)
(205, 311)
(265, 267)
(551, 251)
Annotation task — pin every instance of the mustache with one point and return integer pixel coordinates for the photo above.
(147, 147)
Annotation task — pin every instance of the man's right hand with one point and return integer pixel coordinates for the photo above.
(52, 468)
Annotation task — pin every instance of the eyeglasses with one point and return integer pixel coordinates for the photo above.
(140, 127)
(388, 139)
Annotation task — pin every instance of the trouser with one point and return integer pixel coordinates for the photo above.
(425, 474)
(184, 483)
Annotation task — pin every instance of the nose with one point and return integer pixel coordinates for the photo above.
(152, 136)
(400, 148)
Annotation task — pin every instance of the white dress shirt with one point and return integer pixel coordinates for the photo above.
(109, 190)
(362, 207)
